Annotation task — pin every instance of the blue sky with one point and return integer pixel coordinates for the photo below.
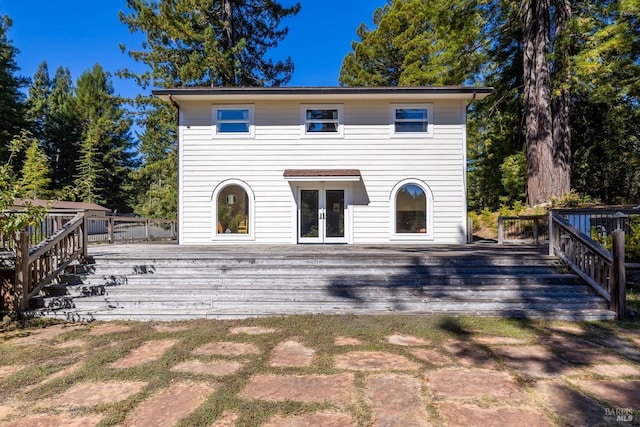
(79, 33)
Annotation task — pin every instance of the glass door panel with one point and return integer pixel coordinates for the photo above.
(334, 217)
(322, 216)
(309, 214)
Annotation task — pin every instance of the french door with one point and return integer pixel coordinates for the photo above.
(322, 215)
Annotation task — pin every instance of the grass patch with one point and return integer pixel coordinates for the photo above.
(40, 360)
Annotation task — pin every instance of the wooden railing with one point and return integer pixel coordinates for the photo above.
(51, 223)
(602, 269)
(111, 229)
(525, 228)
(37, 266)
(42, 252)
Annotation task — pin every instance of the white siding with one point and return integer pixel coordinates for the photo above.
(383, 161)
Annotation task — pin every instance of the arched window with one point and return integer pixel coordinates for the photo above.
(412, 215)
(233, 207)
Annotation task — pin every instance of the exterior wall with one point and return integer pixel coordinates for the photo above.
(439, 161)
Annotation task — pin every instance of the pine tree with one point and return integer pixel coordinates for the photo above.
(547, 140)
(210, 43)
(495, 131)
(606, 100)
(106, 158)
(38, 109)
(196, 43)
(11, 98)
(34, 175)
(418, 42)
(62, 130)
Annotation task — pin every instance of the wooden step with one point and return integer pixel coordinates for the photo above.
(164, 282)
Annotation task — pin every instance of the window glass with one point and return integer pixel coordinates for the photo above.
(233, 121)
(411, 210)
(233, 210)
(233, 114)
(411, 120)
(320, 120)
(322, 127)
(322, 114)
(233, 127)
(411, 113)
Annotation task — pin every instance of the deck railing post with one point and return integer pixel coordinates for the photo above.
(469, 230)
(618, 276)
(500, 230)
(110, 229)
(22, 277)
(551, 234)
(147, 229)
(85, 236)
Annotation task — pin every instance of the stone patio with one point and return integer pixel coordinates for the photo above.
(486, 381)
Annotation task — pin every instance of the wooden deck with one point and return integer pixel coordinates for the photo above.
(170, 282)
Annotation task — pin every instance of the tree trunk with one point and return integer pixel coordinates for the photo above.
(229, 42)
(561, 106)
(537, 102)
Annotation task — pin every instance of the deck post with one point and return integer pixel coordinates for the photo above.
(84, 236)
(500, 230)
(110, 229)
(21, 281)
(618, 276)
(551, 233)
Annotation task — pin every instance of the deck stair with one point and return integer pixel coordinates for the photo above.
(170, 282)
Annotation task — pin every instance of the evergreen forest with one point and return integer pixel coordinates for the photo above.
(564, 117)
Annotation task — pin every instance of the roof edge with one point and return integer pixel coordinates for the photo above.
(313, 91)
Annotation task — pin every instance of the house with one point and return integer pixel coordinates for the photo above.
(291, 165)
(62, 207)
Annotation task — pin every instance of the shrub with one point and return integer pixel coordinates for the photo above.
(572, 199)
(631, 243)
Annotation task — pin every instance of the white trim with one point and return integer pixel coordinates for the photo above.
(392, 121)
(392, 202)
(214, 213)
(252, 120)
(323, 178)
(322, 188)
(180, 177)
(465, 214)
(303, 120)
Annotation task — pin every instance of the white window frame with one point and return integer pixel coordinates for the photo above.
(304, 121)
(392, 203)
(214, 213)
(392, 120)
(251, 120)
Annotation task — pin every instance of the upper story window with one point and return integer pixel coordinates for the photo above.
(411, 120)
(322, 120)
(235, 121)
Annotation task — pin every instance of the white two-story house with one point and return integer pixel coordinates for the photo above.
(349, 165)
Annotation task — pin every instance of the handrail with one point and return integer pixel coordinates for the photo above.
(523, 227)
(38, 266)
(111, 229)
(67, 239)
(600, 268)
